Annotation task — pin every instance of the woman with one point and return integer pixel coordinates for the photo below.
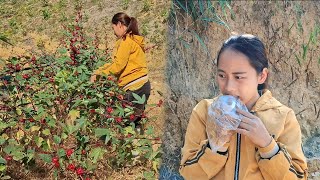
(267, 143)
(129, 61)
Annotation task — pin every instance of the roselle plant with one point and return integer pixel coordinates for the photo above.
(53, 116)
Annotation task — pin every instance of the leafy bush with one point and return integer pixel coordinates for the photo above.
(53, 117)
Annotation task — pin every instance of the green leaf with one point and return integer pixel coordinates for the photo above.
(119, 111)
(129, 129)
(5, 39)
(13, 142)
(94, 100)
(18, 155)
(136, 96)
(127, 110)
(84, 139)
(185, 43)
(298, 59)
(96, 154)
(2, 168)
(30, 154)
(9, 149)
(2, 140)
(55, 174)
(305, 49)
(85, 102)
(150, 130)
(62, 50)
(107, 139)
(47, 145)
(2, 161)
(101, 132)
(100, 95)
(143, 99)
(139, 100)
(3, 125)
(200, 2)
(46, 132)
(61, 152)
(56, 139)
(38, 140)
(64, 136)
(46, 157)
(20, 134)
(182, 6)
(72, 129)
(148, 175)
(76, 103)
(35, 128)
(19, 112)
(72, 116)
(200, 40)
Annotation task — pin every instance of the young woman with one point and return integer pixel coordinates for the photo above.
(267, 143)
(129, 61)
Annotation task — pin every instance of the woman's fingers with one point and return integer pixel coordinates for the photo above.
(246, 120)
(242, 131)
(246, 114)
(252, 127)
(244, 125)
(93, 78)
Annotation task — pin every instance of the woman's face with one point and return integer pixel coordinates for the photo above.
(119, 29)
(238, 78)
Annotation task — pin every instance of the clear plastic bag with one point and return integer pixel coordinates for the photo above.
(223, 120)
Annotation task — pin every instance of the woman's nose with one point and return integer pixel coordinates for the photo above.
(230, 87)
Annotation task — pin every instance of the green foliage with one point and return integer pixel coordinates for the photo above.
(125, 4)
(138, 99)
(146, 5)
(148, 175)
(144, 29)
(202, 13)
(310, 45)
(299, 12)
(46, 14)
(52, 113)
(205, 11)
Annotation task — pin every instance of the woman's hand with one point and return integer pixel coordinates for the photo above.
(252, 127)
(93, 78)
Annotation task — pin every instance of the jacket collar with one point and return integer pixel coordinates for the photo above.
(265, 102)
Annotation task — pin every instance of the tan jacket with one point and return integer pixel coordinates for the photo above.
(243, 160)
(129, 62)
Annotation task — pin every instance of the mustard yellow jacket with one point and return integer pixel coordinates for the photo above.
(242, 160)
(129, 62)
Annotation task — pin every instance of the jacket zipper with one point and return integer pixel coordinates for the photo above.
(236, 172)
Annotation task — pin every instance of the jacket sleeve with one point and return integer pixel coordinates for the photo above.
(289, 163)
(198, 161)
(120, 60)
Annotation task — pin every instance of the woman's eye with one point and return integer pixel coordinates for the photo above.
(239, 77)
(221, 75)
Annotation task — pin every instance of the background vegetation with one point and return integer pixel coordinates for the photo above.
(60, 121)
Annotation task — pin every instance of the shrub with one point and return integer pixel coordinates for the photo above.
(53, 117)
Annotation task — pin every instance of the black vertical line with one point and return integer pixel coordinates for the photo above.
(236, 172)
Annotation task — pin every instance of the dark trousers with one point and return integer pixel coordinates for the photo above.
(139, 108)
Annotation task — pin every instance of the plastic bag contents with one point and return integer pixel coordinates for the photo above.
(223, 120)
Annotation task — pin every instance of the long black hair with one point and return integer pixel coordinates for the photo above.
(130, 22)
(252, 47)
